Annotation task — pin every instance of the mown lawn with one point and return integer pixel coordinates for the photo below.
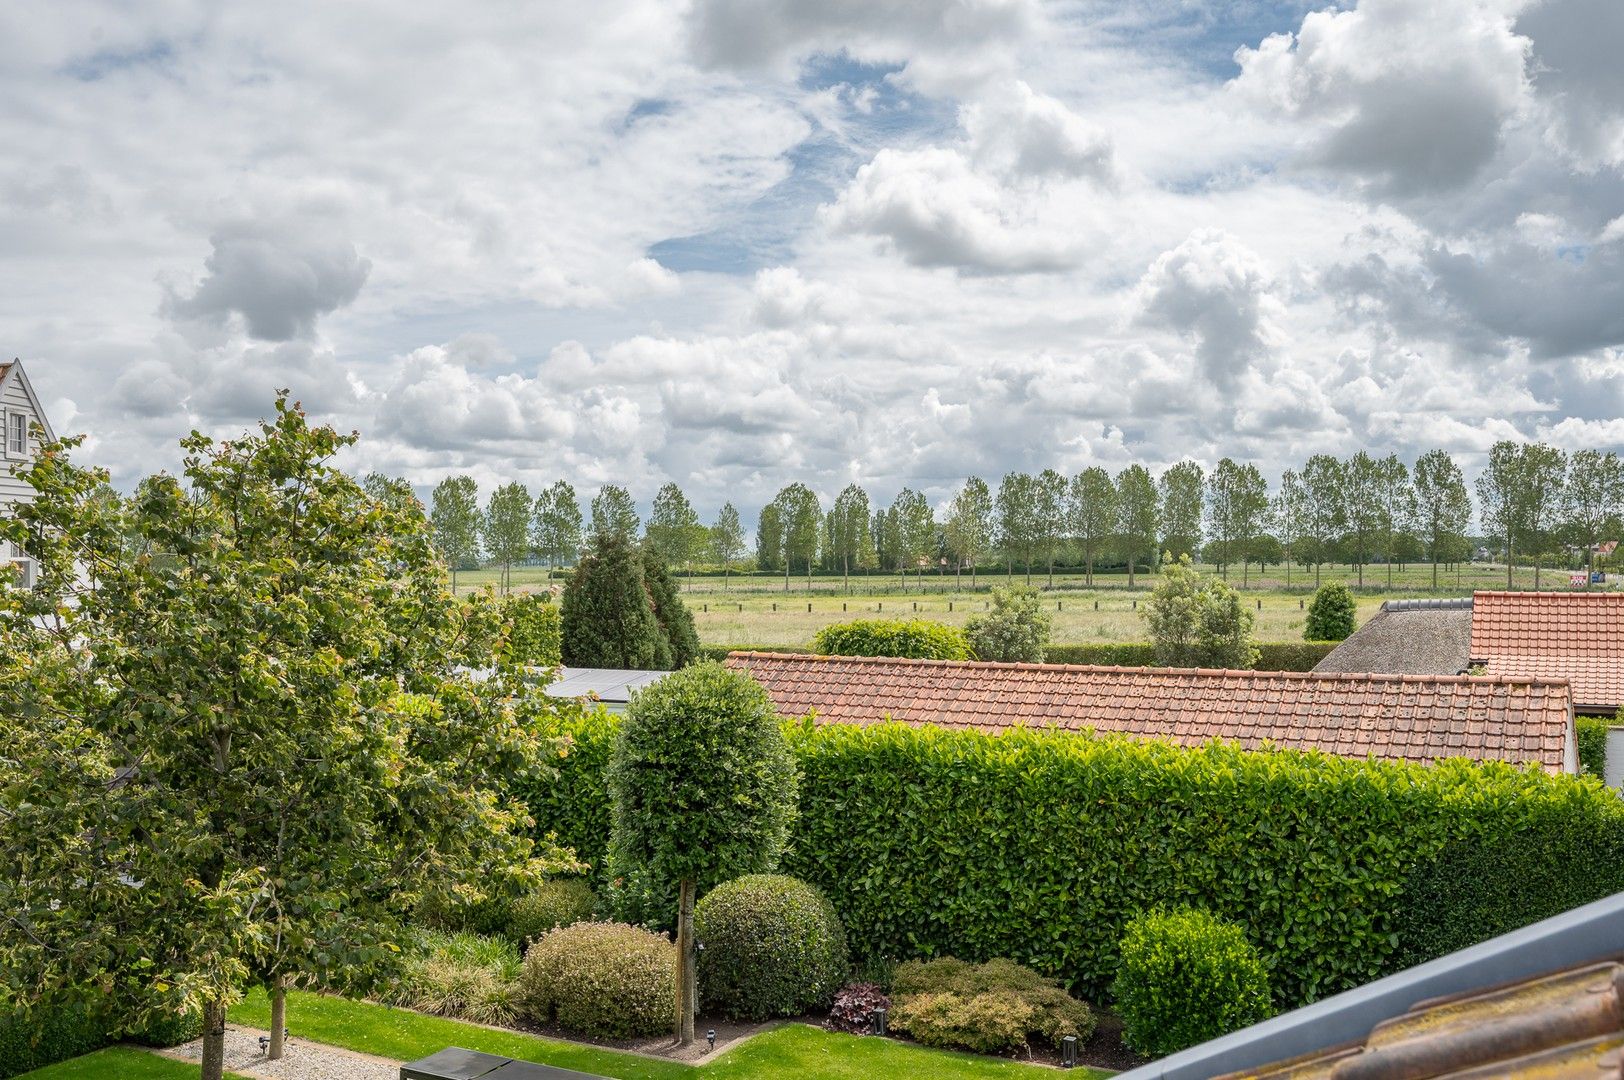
(117, 1063)
(792, 1050)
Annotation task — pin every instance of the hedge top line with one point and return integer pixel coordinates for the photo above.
(1419, 718)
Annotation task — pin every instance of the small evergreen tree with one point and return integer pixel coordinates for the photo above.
(1331, 614)
(703, 789)
(675, 620)
(607, 619)
(1016, 630)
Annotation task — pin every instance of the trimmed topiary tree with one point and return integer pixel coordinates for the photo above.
(917, 639)
(1016, 630)
(1186, 977)
(773, 947)
(1331, 614)
(703, 788)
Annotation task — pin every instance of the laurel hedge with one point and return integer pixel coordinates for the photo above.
(1042, 847)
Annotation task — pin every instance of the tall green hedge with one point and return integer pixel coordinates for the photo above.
(917, 639)
(1591, 734)
(1042, 846)
(47, 1034)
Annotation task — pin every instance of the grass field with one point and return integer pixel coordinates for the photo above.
(757, 610)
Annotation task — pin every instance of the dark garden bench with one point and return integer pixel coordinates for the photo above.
(455, 1063)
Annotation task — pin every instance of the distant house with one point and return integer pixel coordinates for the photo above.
(1543, 1002)
(1407, 637)
(1419, 718)
(610, 687)
(23, 426)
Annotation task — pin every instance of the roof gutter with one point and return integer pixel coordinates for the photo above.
(1575, 937)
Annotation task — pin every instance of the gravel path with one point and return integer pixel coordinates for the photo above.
(300, 1060)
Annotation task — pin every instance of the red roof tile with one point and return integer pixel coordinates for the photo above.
(1403, 717)
(1578, 636)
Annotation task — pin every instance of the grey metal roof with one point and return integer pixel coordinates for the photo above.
(614, 685)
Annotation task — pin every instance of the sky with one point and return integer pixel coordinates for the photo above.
(740, 243)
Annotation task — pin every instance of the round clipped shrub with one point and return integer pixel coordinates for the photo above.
(1331, 614)
(918, 639)
(773, 947)
(550, 905)
(598, 978)
(992, 1008)
(1186, 977)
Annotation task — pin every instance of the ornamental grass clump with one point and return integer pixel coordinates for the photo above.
(462, 975)
(597, 978)
(998, 1007)
(773, 947)
(1186, 977)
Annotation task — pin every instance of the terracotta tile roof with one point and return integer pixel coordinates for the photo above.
(1578, 636)
(1570, 1024)
(1405, 717)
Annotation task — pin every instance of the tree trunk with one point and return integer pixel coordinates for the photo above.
(214, 1040)
(685, 964)
(279, 1020)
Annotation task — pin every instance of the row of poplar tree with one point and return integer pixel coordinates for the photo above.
(1533, 500)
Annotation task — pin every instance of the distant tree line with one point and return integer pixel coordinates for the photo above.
(1533, 500)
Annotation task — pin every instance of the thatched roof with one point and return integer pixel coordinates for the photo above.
(1408, 637)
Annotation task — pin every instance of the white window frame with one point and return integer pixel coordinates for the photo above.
(12, 416)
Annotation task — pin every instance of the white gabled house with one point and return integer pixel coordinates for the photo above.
(23, 427)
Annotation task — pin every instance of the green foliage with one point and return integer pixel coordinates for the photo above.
(269, 718)
(702, 782)
(455, 520)
(934, 842)
(47, 1033)
(607, 619)
(1272, 655)
(1331, 614)
(534, 630)
(990, 1008)
(920, 639)
(614, 513)
(1196, 621)
(549, 905)
(676, 622)
(506, 527)
(1014, 631)
(1187, 977)
(573, 803)
(1591, 732)
(773, 947)
(171, 1029)
(604, 979)
(464, 975)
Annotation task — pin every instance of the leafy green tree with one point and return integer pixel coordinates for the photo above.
(1049, 515)
(969, 526)
(455, 519)
(673, 526)
(1017, 521)
(1331, 614)
(1181, 490)
(1443, 509)
(613, 511)
(727, 540)
(703, 785)
(607, 617)
(802, 519)
(1324, 502)
(681, 640)
(1396, 509)
(1138, 516)
(1015, 630)
(1595, 499)
(1361, 507)
(915, 530)
(1287, 514)
(849, 541)
(556, 524)
(507, 528)
(1520, 495)
(1240, 507)
(240, 754)
(1092, 506)
(770, 538)
(384, 488)
(1197, 621)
